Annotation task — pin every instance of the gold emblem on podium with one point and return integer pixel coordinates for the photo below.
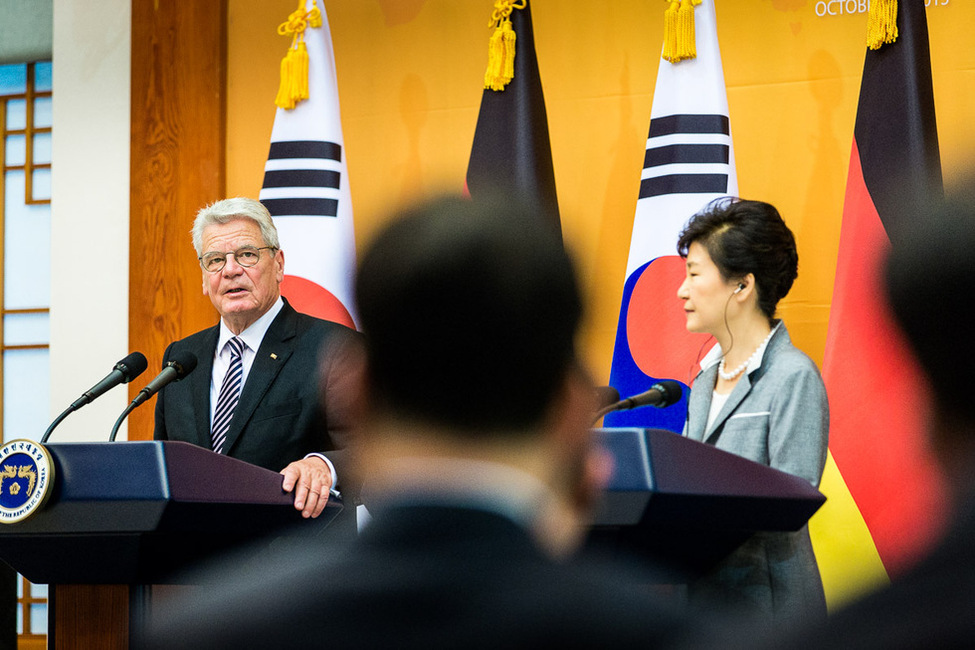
(26, 477)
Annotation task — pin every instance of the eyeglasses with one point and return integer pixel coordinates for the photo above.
(246, 256)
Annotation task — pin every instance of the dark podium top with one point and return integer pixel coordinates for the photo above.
(139, 512)
(685, 504)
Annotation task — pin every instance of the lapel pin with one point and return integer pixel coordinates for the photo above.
(274, 356)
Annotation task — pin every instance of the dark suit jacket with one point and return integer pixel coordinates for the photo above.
(422, 577)
(296, 399)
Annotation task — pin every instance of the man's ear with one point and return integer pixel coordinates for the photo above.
(570, 415)
(584, 466)
(279, 260)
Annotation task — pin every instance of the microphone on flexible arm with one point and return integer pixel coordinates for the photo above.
(124, 371)
(176, 368)
(663, 393)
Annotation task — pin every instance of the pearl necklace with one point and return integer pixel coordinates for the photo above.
(728, 376)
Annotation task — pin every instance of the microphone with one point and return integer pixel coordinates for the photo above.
(661, 394)
(175, 369)
(124, 371)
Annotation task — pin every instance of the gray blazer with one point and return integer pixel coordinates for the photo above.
(777, 415)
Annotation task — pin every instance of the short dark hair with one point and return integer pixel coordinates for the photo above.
(929, 277)
(470, 311)
(745, 237)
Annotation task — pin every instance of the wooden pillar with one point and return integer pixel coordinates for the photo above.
(89, 616)
(178, 164)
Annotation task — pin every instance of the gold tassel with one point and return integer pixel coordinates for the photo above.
(284, 99)
(294, 66)
(670, 31)
(881, 23)
(679, 36)
(501, 47)
(299, 73)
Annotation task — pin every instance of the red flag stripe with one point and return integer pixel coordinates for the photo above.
(876, 394)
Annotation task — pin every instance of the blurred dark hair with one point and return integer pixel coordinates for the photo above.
(470, 312)
(745, 237)
(929, 276)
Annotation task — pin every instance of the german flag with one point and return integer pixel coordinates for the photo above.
(877, 434)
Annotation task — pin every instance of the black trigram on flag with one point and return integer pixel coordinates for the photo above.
(690, 161)
(302, 178)
(688, 147)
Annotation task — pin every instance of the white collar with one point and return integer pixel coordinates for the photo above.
(715, 354)
(486, 485)
(254, 334)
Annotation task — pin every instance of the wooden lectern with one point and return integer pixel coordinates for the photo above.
(686, 505)
(123, 516)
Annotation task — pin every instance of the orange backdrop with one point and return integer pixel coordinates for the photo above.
(410, 74)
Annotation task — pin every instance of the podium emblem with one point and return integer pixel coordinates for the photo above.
(26, 477)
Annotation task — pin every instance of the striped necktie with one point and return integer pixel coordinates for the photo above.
(229, 396)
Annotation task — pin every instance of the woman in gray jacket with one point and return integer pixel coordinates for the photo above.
(756, 396)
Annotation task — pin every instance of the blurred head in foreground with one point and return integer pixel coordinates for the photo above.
(477, 459)
(470, 312)
(930, 284)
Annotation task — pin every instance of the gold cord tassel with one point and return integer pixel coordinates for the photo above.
(501, 47)
(670, 31)
(294, 65)
(881, 23)
(679, 36)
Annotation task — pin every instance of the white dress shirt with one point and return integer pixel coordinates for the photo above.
(252, 338)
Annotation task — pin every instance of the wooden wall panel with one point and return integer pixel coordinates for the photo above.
(178, 165)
